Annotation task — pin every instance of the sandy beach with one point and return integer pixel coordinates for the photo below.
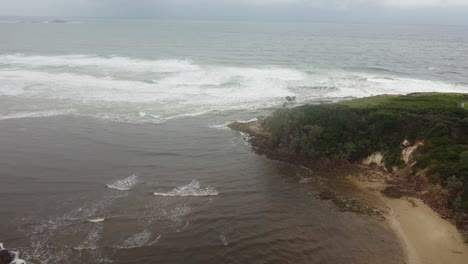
(427, 238)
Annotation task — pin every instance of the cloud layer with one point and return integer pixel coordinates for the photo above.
(427, 11)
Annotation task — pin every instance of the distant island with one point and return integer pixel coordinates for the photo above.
(420, 141)
(58, 21)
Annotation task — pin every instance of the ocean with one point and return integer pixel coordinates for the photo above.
(115, 147)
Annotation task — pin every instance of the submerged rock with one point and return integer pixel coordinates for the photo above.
(253, 128)
(327, 195)
(396, 192)
(5, 257)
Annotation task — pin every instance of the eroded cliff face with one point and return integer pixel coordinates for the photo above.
(407, 155)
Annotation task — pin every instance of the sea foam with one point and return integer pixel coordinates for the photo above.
(96, 220)
(124, 184)
(117, 89)
(92, 61)
(191, 189)
(16, 258)
(139, 240)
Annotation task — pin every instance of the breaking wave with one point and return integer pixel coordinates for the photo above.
(191, 189)
(16, 258)
(36, 114)
(143, 239)
(117, 88)
(96, 220)
(124, 184)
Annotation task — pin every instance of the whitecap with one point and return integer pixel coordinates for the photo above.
(92, 61)
(139, 240)
(96, 220)
(191, 189)
(124, 184)
(35, 114)
(223, 126)
(181, 88)
(177, 214)
(90, 242)
(248, 121)
(306, 180)
(16, 258)
(223, 240)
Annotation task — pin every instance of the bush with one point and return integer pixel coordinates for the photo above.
(352, 130)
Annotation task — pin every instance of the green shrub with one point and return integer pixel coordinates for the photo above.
(352, 130)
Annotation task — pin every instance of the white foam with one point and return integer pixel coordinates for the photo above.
(248, 121)
(91, 241)
(223, 240)
(223, 126)
(96, 220)
(139, 240)
(36, 114)
(116, 88)
(178, 216)
(187, 115)
(124, 184)
(191, 189)
(16, 258)
(306, 180)
(38, 22)
(99, 62)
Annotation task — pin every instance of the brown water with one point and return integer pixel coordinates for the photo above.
(54, 176)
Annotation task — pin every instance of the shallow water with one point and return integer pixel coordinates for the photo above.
(225, 204)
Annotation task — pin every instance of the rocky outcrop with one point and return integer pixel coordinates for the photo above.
(5, 257)
(253, 128)
(350, 205)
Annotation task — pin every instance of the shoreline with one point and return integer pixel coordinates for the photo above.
(425, 237)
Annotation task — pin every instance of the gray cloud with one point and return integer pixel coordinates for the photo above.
(392, 11)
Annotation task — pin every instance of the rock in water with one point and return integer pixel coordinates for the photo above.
(253, 128)
(327, 195)
(5, 257)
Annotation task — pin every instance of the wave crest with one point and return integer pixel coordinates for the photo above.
(124, 184)
(191, 189)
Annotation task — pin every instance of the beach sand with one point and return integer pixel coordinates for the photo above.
(427, 238)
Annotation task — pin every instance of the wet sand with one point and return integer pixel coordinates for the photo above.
(427, 238)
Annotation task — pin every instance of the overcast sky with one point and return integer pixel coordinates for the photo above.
(392, 11)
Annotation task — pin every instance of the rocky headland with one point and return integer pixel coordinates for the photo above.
(410, 152)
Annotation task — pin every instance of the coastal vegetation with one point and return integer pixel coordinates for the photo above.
(434, 126)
